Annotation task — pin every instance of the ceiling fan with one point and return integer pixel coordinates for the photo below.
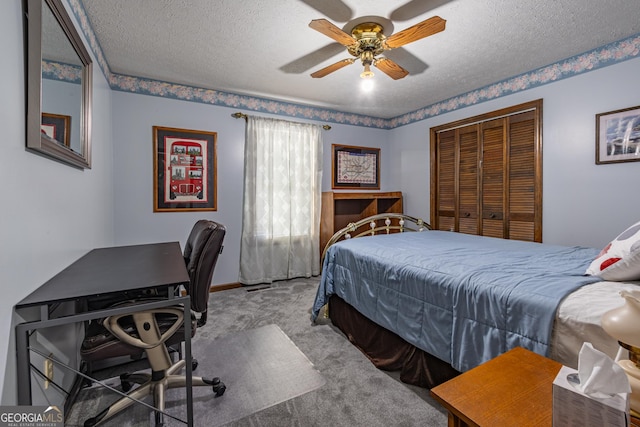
(367, 41)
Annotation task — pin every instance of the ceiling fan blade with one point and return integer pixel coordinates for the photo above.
(419, 31)
(390, 68)
(330, 30)
(333, 67)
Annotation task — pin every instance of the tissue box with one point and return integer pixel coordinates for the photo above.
(571, 407)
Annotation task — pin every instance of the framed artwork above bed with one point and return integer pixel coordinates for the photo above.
(618, 136)
(355, 167)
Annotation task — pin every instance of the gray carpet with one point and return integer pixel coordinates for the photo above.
(355, 393)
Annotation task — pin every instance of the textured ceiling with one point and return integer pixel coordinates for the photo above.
(265, 48)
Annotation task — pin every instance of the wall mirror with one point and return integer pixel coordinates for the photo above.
(59, 84)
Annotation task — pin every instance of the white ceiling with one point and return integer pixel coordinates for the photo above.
(265, 48)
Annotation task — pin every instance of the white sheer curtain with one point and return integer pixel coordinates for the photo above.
(282, 196)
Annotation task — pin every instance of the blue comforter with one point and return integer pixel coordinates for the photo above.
(464, 299)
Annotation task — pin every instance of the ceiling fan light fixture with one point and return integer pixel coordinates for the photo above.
(367, 73)
(367, 58)
(367, 40)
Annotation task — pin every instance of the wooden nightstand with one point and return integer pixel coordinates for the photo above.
(514, 389)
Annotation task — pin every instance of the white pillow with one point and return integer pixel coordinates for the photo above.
(620, 259)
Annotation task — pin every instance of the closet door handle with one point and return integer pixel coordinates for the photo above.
(467, 214)
(492, 216)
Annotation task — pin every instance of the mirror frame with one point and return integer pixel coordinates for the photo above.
(36, 141)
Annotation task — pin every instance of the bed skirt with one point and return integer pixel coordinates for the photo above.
(386, 350)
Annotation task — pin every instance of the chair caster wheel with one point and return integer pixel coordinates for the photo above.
(218, 387)
(194, 364)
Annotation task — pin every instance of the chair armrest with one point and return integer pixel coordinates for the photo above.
(145, 321)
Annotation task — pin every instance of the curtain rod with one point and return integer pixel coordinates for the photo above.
(240, 115)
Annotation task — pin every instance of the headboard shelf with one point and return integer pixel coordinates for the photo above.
(341, 209)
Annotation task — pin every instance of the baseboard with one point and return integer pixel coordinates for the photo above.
(216, 288)
(224, 287)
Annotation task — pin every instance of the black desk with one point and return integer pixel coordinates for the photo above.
(98, 273)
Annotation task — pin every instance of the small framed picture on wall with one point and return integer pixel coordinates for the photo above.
(355, 167)
(618, 136)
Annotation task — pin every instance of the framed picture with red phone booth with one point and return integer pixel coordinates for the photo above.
(184, 170)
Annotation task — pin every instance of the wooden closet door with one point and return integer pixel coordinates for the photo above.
(523, 190)
(457, 184)
(446, 186)
(468, 212)
(492, 172)
(486, 174)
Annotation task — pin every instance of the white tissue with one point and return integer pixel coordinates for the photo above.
(600, 376)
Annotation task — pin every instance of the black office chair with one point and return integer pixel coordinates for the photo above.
(154, 331)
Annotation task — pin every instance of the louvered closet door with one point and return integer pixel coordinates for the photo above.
(492, 169)
(522, 179)
(486, 174)
(468, 180)
(446, 185)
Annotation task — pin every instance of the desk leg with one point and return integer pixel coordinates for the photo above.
(188, 365)
(23, 365)
(454, 421)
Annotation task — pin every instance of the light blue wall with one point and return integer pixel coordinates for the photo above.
(51, 213)
(583, 203)
(135, 222)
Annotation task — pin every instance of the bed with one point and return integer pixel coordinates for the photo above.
(436, 303)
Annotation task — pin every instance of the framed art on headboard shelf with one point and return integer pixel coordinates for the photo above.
(355, 167)
(184, 170)
(618, 136)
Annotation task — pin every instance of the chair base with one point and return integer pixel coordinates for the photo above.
(156, 384)
(91, 367)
